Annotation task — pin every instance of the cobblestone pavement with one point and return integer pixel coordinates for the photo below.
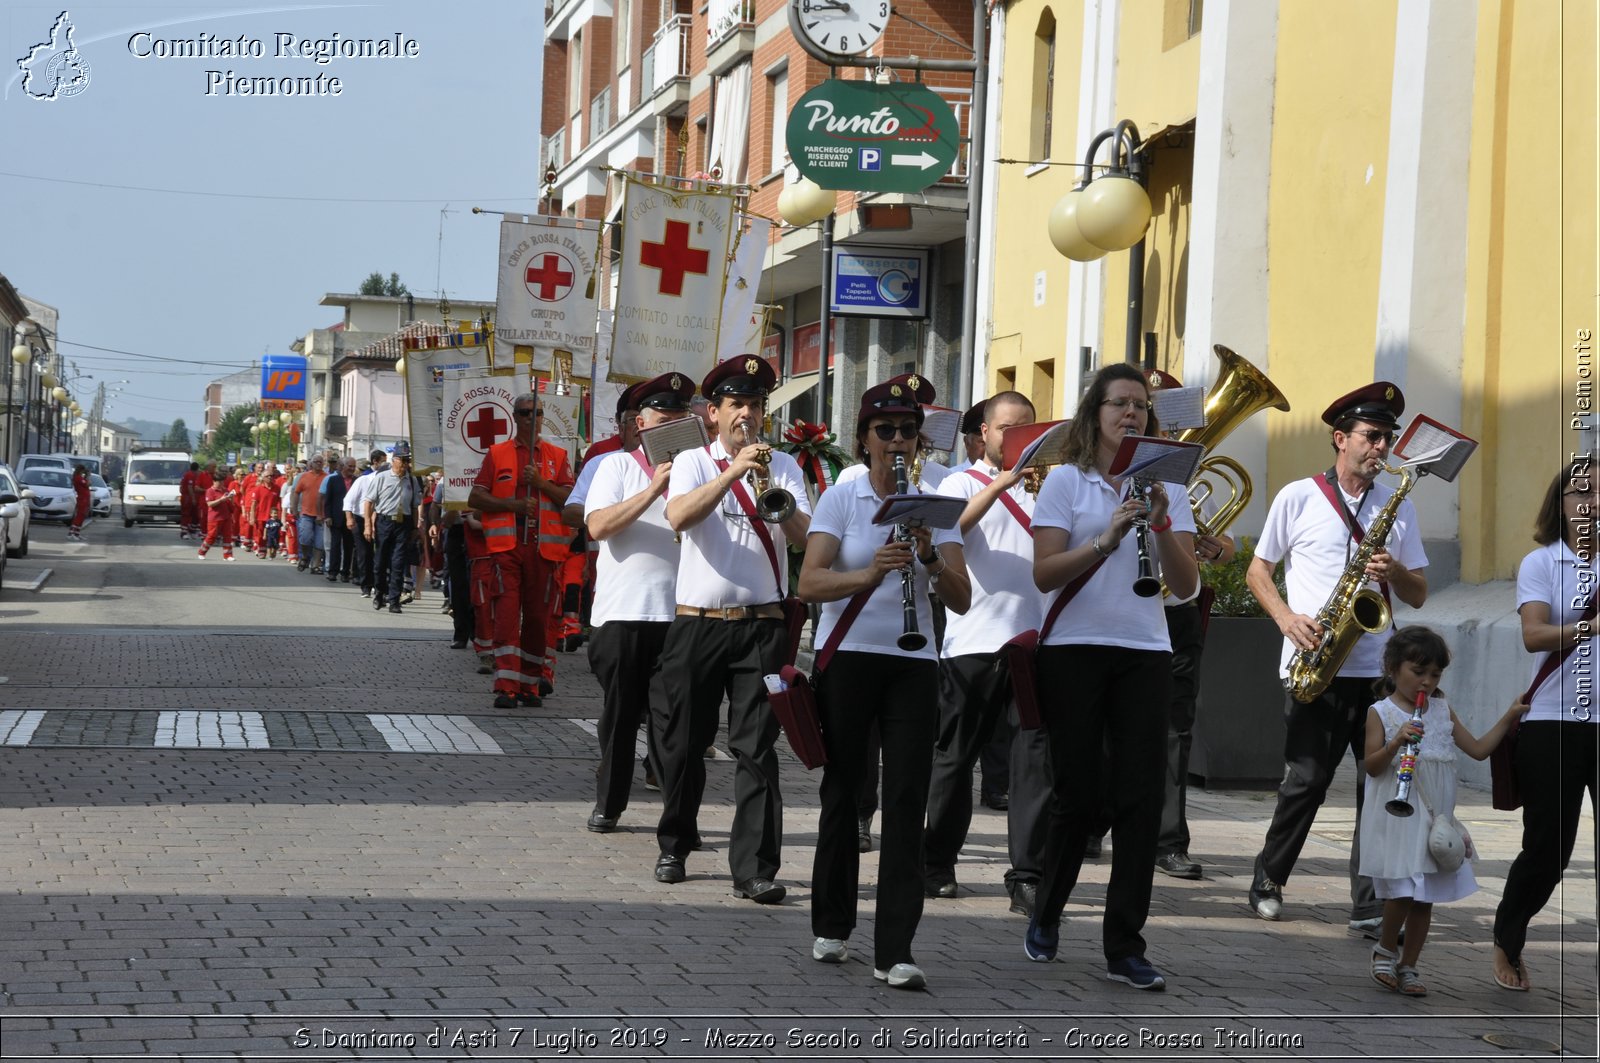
(302, 847)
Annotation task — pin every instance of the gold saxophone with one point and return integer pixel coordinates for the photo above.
(1351, 610)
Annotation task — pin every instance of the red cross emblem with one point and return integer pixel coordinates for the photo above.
(485, 427)
(674, 257)
(549, 279)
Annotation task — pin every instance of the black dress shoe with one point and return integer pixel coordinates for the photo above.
(344, 579)
(377, 603)
(546, 688)
(504, 701)
(760, 890)
(333, 579)
(939, 884)
(1178, 865)
(669, 869)
(530, 701)
(999, 802)
(395, 608)
(864, 834)
(459, 644)
(1092, 847)
(1024, 895)
(601, 823)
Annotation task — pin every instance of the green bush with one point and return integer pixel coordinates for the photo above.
(1233, 596)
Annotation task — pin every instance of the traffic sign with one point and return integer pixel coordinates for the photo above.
(859, 136)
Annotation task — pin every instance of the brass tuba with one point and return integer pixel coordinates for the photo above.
(1240, 392)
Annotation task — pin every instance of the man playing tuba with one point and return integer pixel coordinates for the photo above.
(1315, 527)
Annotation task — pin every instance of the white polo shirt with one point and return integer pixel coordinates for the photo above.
(722, 561)
(931, 475)
(1556, 576)
(1106, 612)
(845, 512)
(638, 566)
(1306, 531)
(999, 553)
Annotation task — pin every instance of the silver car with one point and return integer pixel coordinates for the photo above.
(99, 496)
(53, 496)
(16, 514)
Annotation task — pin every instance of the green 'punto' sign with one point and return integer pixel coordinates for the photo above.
(858, 136)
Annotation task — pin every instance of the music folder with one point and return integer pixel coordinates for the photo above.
(1434, 448)
(921, 511)
(1155, 458)
(1042, 443)
(666, 441)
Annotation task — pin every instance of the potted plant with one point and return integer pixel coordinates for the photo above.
(1239, 726)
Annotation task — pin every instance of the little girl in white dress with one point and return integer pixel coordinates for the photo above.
(1395, 852)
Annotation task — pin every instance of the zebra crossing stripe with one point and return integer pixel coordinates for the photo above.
(202, 729)
(411, 733)
(17, 726)
(640, 749)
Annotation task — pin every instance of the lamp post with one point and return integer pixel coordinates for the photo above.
(1109, 212)
(801, 204)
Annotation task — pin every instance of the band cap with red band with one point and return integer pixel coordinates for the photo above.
(746, 376)
(626, 401)
(972, 420)
(908, 392)
(1160, 378)
(1377, 403)
(669, 391)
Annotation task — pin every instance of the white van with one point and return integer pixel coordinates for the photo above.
(150, 489)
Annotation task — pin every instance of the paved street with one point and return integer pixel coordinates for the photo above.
(244, 815)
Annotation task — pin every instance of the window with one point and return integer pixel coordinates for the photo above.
(1044, 88)
(778, 115)
(622, 33)
(575, 100)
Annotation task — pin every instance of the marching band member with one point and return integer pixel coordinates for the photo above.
(626, 513)
(1312, 527)
(1109, 657)
(728, 632)
(848, 556)
(974, 687)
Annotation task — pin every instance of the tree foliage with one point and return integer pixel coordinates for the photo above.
(375, 284)
(177, 437)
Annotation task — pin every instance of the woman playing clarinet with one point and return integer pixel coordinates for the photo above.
(876, 664)
(1105, 665)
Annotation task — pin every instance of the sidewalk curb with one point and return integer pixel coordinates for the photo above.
(38, 581)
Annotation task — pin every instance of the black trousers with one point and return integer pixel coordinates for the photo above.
(704, 660)
(623, 655)
(974, 701)
(389, 554)
(1552, 804)
(994, 761)
(340, 547)
(455, 561)
(1105, 708)
(897, 694)
(363, 571)
(1317, 737)
(1183, 627)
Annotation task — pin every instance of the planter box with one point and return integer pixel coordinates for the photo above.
(1239, 728)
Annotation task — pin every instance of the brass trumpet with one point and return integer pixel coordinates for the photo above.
(774, 505)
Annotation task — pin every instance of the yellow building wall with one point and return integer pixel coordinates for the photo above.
(1335, 70)
(1025, 335)
(1531, 278)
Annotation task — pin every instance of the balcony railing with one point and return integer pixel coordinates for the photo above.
(667, 58)
(600, 113)
(555, 150)
(723, 17)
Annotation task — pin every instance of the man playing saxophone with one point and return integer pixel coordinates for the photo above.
(1314, 526)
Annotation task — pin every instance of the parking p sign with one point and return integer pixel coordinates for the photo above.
(870, 159)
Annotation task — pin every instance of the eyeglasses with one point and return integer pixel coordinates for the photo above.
(1374, 435)
(887, 432)
(1123, 404)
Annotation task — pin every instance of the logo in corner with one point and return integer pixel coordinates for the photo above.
(55, 69)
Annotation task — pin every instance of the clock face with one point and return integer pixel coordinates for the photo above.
(843, 27)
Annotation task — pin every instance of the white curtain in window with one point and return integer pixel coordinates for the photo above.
(730, 128)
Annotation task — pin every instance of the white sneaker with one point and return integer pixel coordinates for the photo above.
(829, 950)
(902, 976)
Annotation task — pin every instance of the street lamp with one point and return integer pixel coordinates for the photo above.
(801, 204)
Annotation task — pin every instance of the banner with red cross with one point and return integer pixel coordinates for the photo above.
(674, 265)
(544, 299)
(476, 416)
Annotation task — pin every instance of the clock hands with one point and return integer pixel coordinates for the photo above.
(824, 5)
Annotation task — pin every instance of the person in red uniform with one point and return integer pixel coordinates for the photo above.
(249, 523)
(80, 487)
(520, 490)
(188, 514)
(269, 522)
(222, 513)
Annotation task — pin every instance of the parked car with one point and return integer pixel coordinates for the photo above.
(17, 513)
(44, 461)
(99, 496)
(53, 496)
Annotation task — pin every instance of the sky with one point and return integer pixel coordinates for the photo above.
(193, 231)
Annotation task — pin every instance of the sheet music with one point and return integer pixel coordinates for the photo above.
(1435, 448)
(1154, 458)
(942, 426)
(921, 511)
(666, 441)
(1178, 408)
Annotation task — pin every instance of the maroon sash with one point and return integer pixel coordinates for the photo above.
(1022, 651)
(794, 610)
(1325, 485)
(1005, 496)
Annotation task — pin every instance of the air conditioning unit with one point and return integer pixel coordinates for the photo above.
(336, 427)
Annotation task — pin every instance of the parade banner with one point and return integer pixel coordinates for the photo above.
(605, 392)
(477, 404)
(561, 422)
(427, 360)
(669, 296)
(739, 297)
(544, 299)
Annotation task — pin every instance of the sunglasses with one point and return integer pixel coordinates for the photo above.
(887, 432)
(537, 411)
(1374, 435)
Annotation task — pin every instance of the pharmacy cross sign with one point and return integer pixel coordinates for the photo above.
(485, 428)
(859, 136)
(674, 257)
(550, 279)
